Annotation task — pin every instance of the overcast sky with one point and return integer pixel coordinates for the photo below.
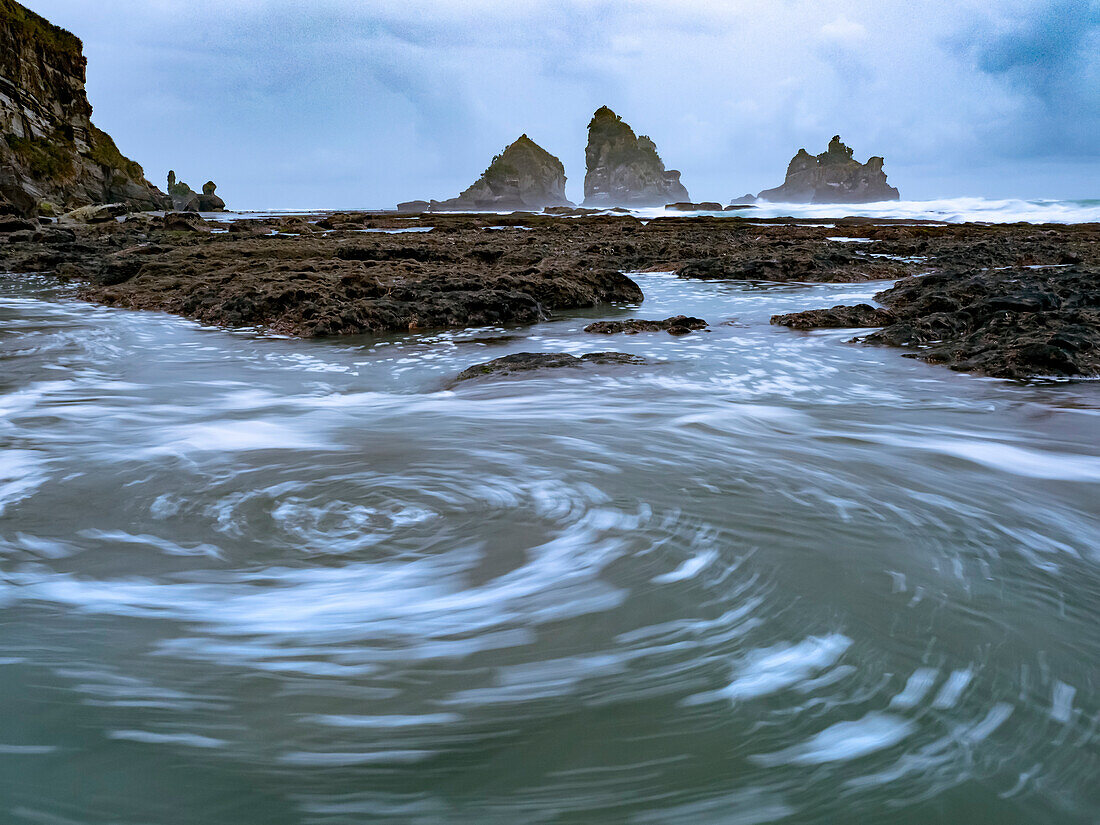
(362, 103)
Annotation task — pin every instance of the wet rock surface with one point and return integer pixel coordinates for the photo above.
(1008, 323)
(676, 325)
(528, 361)
(355, 272)
(860, 315)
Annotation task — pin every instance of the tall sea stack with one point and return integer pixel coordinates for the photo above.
(523, 176)
(625, 170)
(50, 151)
(832, 177)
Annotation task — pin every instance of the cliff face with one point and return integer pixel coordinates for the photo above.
(523, 176)
(49, 150)
(625, 170)
(832, 177)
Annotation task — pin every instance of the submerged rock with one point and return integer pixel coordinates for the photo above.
(523, 176)
(832, 177)
(624, 169)
(676, 325)
(527, 361)
(50, 149)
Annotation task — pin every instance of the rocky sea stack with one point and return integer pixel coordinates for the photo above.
(832, 177)
(624, 169)
(185, 199)
(52, 158)
(523, 176)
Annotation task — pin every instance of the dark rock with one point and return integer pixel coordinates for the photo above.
(1008, 323)
(745, 200)
(527, 361)
(839, 317)
(10, 223)
(208, 201)
(412, 207)
(706, 206)
(624, 169)
(677, 325)
(523, 176)
(832, 177)
(185, 222)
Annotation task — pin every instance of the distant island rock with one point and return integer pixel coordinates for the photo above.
(184, 199)
(834, 176)
(52, 158)
(624, 169)
(523, 176)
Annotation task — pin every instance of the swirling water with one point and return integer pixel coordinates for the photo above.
(769, 577)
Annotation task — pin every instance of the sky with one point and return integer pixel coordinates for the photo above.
(364, 103)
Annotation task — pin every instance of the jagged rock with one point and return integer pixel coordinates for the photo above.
(676, 325)
(185, 199)
(526, 361)
(523, 176)
(832, 177)
(745, 200)
(705, 206)
(623, 169)
(50, 149)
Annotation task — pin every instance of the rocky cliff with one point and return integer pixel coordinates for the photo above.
(834, 176)
(625, 170)
(523, 176)
(50, 152)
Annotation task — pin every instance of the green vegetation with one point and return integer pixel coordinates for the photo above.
(46, 158)
(105, 153)
(28, 27)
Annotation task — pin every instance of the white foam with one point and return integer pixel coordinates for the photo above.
(843, 741)
(772, 669)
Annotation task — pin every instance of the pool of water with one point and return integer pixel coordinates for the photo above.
(769, 576)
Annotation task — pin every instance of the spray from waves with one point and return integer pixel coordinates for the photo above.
(949, 210)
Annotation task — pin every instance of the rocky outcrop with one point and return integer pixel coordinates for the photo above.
(834, 176)
(625, 170)
(676, 325)
(50, 150)
(1006, 322)
(528, 361)
(523, 176)
(185, 199)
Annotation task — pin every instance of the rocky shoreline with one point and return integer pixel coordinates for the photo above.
(977, 307)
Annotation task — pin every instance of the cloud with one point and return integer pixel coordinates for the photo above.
(1050, 58)
(345, 103)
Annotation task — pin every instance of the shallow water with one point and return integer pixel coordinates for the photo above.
(771, 577)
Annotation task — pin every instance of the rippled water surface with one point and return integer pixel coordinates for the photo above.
(769, 577)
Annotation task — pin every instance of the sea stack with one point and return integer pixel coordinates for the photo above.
(523, 176)
(832, 177)
(52, 158)
(625, 170)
